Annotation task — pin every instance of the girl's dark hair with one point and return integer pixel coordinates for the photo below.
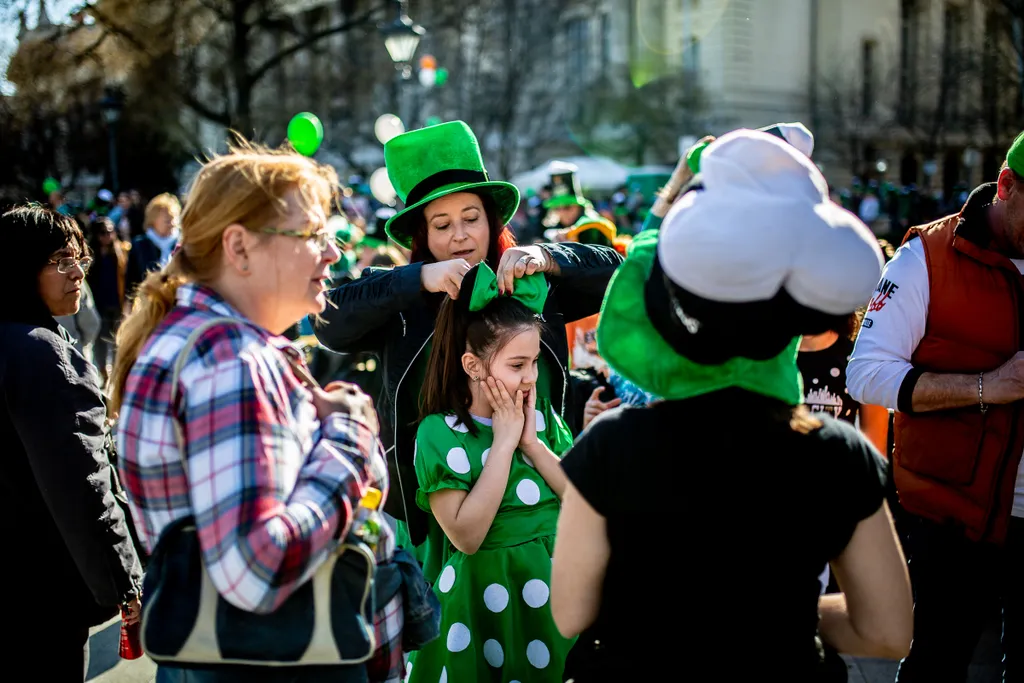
(458, 330)
(501, 237)
(31, 234)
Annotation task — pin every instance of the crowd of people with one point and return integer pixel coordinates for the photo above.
(319, 439)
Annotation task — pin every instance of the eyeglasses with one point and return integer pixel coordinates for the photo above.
(68, 263)
(322, 239)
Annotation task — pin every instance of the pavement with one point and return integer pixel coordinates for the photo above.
(985, 669)
(106, 667)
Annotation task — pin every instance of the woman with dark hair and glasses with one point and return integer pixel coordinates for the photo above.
(58, 513)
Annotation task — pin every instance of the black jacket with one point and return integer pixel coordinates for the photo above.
(67, 541)
(143, 257)
(387, 313)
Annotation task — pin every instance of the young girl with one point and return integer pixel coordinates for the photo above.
(487, 464)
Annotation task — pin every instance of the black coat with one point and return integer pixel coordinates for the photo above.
(67, 545)
(143, 257)
(387, 313)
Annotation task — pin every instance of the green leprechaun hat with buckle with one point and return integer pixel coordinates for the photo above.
(565, 187)
(436, 161)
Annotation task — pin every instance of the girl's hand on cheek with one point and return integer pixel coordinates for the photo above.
(528, 437)
(507, 420)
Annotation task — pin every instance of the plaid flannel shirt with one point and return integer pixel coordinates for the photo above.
(271, 487)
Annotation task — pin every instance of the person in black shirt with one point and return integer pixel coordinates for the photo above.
(672, 507)
(822, 361)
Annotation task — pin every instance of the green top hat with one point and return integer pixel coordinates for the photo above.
(436, 161)
(565, 187)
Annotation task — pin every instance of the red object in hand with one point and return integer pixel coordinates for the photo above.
(131, 641)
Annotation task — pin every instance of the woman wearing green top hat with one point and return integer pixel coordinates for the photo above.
(455, 216)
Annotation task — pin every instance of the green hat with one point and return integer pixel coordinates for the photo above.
(1015, 157)
(693, 309)
(434, 162)
(565, 187)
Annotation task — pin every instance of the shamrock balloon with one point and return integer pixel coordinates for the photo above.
(305, 132)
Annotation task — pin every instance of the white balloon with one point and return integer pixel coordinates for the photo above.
(381, 187)
(427, 77)
(388, 126)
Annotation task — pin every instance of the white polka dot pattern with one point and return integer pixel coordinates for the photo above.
(528, 492)
(535, 593)
(495, 598)
(493, 653)
(458, 637)
(537, 654)
(458, 461)
(447, 579)
(453, 423)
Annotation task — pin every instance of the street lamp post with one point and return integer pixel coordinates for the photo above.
(112, 104)
(401, 38)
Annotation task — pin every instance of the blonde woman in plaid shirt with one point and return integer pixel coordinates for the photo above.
(274, 469)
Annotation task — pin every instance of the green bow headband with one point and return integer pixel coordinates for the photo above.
(530, 290)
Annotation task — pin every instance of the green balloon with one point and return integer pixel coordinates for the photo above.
(305, 132)
(434, 121)
(51, 185)
(441, 76)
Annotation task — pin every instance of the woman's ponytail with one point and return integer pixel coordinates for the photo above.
(154, 299)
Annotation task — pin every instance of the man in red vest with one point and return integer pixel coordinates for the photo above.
(941, 344)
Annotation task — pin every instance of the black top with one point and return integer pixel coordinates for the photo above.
(824, 374)
(58, 513)
(720, 519)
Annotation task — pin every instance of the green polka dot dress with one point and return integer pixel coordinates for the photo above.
(496, 623)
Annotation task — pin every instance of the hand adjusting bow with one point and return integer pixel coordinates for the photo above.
(530, 290)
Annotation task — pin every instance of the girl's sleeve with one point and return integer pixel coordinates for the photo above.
(441, 460)
(558, 436)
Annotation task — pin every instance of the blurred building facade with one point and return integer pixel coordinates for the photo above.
(909, 91)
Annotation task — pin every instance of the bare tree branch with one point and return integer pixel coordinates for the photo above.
(363, 19)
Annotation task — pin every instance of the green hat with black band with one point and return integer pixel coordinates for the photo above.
(434, 162)
(565, 187)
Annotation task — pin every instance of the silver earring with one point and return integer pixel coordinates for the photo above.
(245, 266)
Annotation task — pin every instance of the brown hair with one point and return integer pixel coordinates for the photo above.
(501, 237)
(160, 203)
(247, 186)
(458, 330)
